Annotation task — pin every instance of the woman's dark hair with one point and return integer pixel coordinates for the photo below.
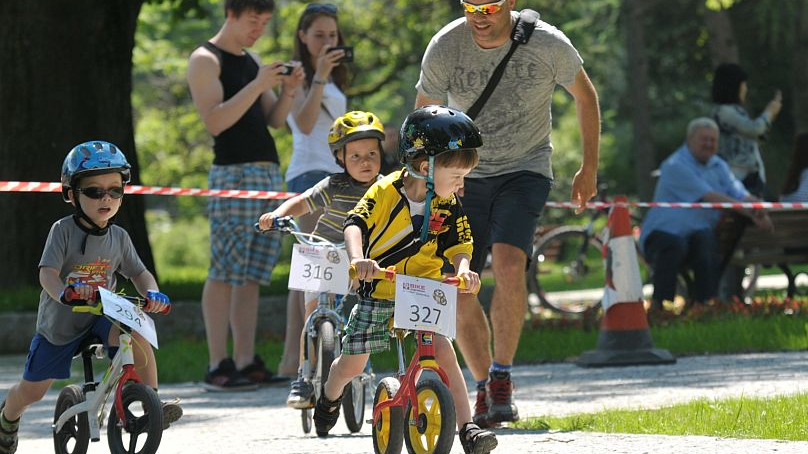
(799, 161)
(340, 73)
(727, 81)
(239, 6)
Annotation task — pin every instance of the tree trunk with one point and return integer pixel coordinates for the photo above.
(65, 78)
(722, 44)
(800, 71)
(642, 142)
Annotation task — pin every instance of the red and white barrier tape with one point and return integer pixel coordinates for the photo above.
(33, 186)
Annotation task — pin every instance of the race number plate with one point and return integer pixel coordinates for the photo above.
(122, 310)
(426, 305)
(319, 269)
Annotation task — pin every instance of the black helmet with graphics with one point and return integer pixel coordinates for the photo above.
(432, 130)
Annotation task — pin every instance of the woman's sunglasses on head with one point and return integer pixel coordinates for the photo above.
(98, 193)
(321, 8)
(484, 9)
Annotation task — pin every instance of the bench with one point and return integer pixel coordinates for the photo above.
(786, 245)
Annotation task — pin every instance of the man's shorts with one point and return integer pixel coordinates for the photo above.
(367, 331)
(237, 252)
(47, 361)
(504, 209)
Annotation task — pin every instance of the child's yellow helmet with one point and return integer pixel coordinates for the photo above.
(352, 126)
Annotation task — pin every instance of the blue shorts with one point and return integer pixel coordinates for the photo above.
(237, 252)
(504, 209)
(47, 361)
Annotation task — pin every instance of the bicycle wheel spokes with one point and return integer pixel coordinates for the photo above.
(567, 270)
(74, 436)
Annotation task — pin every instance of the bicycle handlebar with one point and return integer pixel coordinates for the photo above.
(287, 224)
(389, 274)
(71, 298)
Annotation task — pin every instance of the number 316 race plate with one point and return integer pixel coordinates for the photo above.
(319, 269)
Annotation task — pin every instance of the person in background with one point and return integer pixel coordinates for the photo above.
(233, 94)
(673, 238)
(318, 102)
(795, 188)
(739, 140)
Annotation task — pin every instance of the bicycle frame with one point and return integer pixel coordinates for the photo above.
(119, 372)
(423, 359)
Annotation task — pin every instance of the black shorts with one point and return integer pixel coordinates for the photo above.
(504, 209)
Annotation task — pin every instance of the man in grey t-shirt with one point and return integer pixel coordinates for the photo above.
(506, 193)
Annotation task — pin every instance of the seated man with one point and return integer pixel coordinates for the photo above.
(676, 237)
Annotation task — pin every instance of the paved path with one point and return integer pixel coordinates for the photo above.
(258, 422)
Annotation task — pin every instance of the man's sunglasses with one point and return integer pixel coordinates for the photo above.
(321, 8)
(484, 9)
(98, 193)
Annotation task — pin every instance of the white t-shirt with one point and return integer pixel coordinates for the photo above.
(310, 151)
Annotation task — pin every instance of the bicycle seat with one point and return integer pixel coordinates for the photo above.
(91, 344)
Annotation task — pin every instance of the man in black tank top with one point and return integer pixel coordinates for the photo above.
(233, 93)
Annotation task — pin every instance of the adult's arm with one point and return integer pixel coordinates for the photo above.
(276, 108)
(423, 100)
(208, 94)
(584, 184)
(733, 116)
(306, 114)
(759, 217)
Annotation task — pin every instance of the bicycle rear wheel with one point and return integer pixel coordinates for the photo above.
(567, 270)
(75, 434)
(388, 431)
(353, 403)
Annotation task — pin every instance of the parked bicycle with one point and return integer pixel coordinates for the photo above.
(135, 423)
(414, 408)
(324, 327)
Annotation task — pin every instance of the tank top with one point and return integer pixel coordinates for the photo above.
(248, 140)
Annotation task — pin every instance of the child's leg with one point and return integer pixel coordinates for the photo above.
(447, 360)
(23, 394)
(343, 370)
(145, 363)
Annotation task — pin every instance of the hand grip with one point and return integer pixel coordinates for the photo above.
(388, 273)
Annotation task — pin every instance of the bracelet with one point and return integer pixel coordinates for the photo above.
(319, 82)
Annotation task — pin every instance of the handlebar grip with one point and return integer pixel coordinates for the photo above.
(388, 273)
(459, 282)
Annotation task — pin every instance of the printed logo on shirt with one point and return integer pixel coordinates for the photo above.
(94, 273)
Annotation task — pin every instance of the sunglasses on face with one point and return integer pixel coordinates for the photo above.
(98, 193)
(484, 9)
(321, 8)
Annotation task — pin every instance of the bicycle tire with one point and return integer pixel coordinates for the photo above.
(146, 418)
(306, 416)
(353, 404)
(388, 432)
(76, 431)
(576, 260)
(434, 428)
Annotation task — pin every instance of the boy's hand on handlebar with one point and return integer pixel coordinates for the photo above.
(157, 302)
(77, 294)
(471, 280)
(365, 269)
(267, 221)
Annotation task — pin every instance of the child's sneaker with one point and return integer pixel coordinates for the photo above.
(326, 413)
(226, 378)
(475, 440)
(171, 412)
(301, 395)
(8, 438)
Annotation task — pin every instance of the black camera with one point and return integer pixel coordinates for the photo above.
(287, 69)
(348, 57)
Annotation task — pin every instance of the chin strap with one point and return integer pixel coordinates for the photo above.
(94, 229)
(430, 191)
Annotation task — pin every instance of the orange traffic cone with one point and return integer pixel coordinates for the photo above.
(624, 338)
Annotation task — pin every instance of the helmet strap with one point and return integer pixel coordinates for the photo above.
(94, 229)
(430, 191)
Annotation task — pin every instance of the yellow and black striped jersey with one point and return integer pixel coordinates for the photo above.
(388, 236)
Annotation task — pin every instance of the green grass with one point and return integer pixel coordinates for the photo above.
(781, 418)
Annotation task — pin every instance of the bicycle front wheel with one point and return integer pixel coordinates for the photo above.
(143, 415)
(434, 425)
(567, 270)
(75, 434)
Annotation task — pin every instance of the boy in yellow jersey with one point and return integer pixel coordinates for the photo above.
(411, 219)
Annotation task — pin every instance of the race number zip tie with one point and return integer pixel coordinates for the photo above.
(34, 186)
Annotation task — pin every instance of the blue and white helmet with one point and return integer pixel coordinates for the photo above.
(95, 157)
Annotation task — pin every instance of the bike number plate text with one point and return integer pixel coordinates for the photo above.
(120, 309)
(426, 305)
(319, 269)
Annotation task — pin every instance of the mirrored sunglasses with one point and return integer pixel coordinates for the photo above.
(321, 8)
(98, 193)
(484, 9)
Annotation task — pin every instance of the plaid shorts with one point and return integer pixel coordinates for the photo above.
(366, 331)
(237, 252)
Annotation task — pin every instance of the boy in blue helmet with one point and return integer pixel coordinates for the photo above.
(83, 252)
(412, 220)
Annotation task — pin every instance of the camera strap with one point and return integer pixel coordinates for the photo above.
(520, 35)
